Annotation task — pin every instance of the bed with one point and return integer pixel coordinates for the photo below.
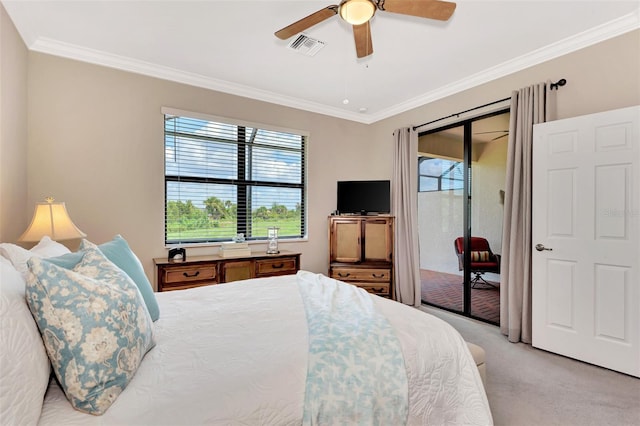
(296, 349)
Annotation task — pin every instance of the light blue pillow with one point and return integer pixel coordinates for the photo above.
(94, 324)
(119, 252)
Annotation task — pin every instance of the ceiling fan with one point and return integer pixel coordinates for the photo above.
(359, 12)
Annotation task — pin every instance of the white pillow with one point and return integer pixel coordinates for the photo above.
(49, 248)
(19, 255)
(24, 365)
(6, 261)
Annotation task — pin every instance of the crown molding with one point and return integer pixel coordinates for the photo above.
(579, 41)
(122, 63)
(592, 36)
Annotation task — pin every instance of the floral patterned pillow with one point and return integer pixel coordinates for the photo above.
(94, 324)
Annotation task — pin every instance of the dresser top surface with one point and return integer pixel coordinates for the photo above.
(215, 257)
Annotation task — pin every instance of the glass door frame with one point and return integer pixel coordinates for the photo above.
(466, 206)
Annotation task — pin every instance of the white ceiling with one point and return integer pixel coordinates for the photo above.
(229, 46)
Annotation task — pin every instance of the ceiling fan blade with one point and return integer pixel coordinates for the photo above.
(307, 22)
(432, 9)
(362, 37)
(499, 137)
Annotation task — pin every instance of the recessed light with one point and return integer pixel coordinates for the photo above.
(345, 101)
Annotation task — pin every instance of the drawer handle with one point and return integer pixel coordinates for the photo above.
(340, 274)
(188, 275)
(378, 276)
(278, 266)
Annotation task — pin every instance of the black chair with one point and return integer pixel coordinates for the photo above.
(482, 260)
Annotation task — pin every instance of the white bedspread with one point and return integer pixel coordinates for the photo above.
(237, 354)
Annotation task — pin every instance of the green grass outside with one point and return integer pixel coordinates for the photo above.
(227, 230)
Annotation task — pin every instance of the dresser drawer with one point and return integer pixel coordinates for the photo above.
(375, 288)
(182, 274)
(278, 266)
(361, 274)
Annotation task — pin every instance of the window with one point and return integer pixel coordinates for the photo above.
(224, 178)
(439, 174)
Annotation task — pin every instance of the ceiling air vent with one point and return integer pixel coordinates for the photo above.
(306, 45)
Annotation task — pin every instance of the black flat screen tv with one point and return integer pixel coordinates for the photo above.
(364, 197)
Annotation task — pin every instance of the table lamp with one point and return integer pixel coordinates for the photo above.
(51, 218)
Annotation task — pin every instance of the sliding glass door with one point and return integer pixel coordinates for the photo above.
(461, 193)
(441, 216)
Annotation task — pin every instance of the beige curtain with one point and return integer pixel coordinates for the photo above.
(404, 206)
(529, 106)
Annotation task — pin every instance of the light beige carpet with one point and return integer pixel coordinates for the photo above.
(529, 387)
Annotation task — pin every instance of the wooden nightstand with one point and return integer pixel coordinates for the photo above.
(199, 271)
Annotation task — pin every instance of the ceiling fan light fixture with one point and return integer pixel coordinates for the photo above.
(357, 12)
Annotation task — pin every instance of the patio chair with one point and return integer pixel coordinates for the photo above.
(482, 260)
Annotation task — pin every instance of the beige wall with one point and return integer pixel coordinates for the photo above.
(601, 77)
(487, 206)
(96, 142)
(13, 131)
(95, 137)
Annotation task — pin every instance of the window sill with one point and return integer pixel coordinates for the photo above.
(251, 243)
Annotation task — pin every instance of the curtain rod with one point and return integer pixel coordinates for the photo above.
(552, 86)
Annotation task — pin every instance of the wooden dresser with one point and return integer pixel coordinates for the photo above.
(361, 252)
(206, 270)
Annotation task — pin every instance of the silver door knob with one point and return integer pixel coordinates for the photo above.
(541, 247)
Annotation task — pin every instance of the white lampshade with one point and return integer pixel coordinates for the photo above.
(357, 12)
(51, 219)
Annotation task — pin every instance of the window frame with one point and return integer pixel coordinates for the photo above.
(243, 221)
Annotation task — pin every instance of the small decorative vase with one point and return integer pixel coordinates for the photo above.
(272, 240)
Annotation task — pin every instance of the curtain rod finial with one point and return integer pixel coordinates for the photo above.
(558, 84)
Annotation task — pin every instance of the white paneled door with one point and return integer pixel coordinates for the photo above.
(586, 237)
